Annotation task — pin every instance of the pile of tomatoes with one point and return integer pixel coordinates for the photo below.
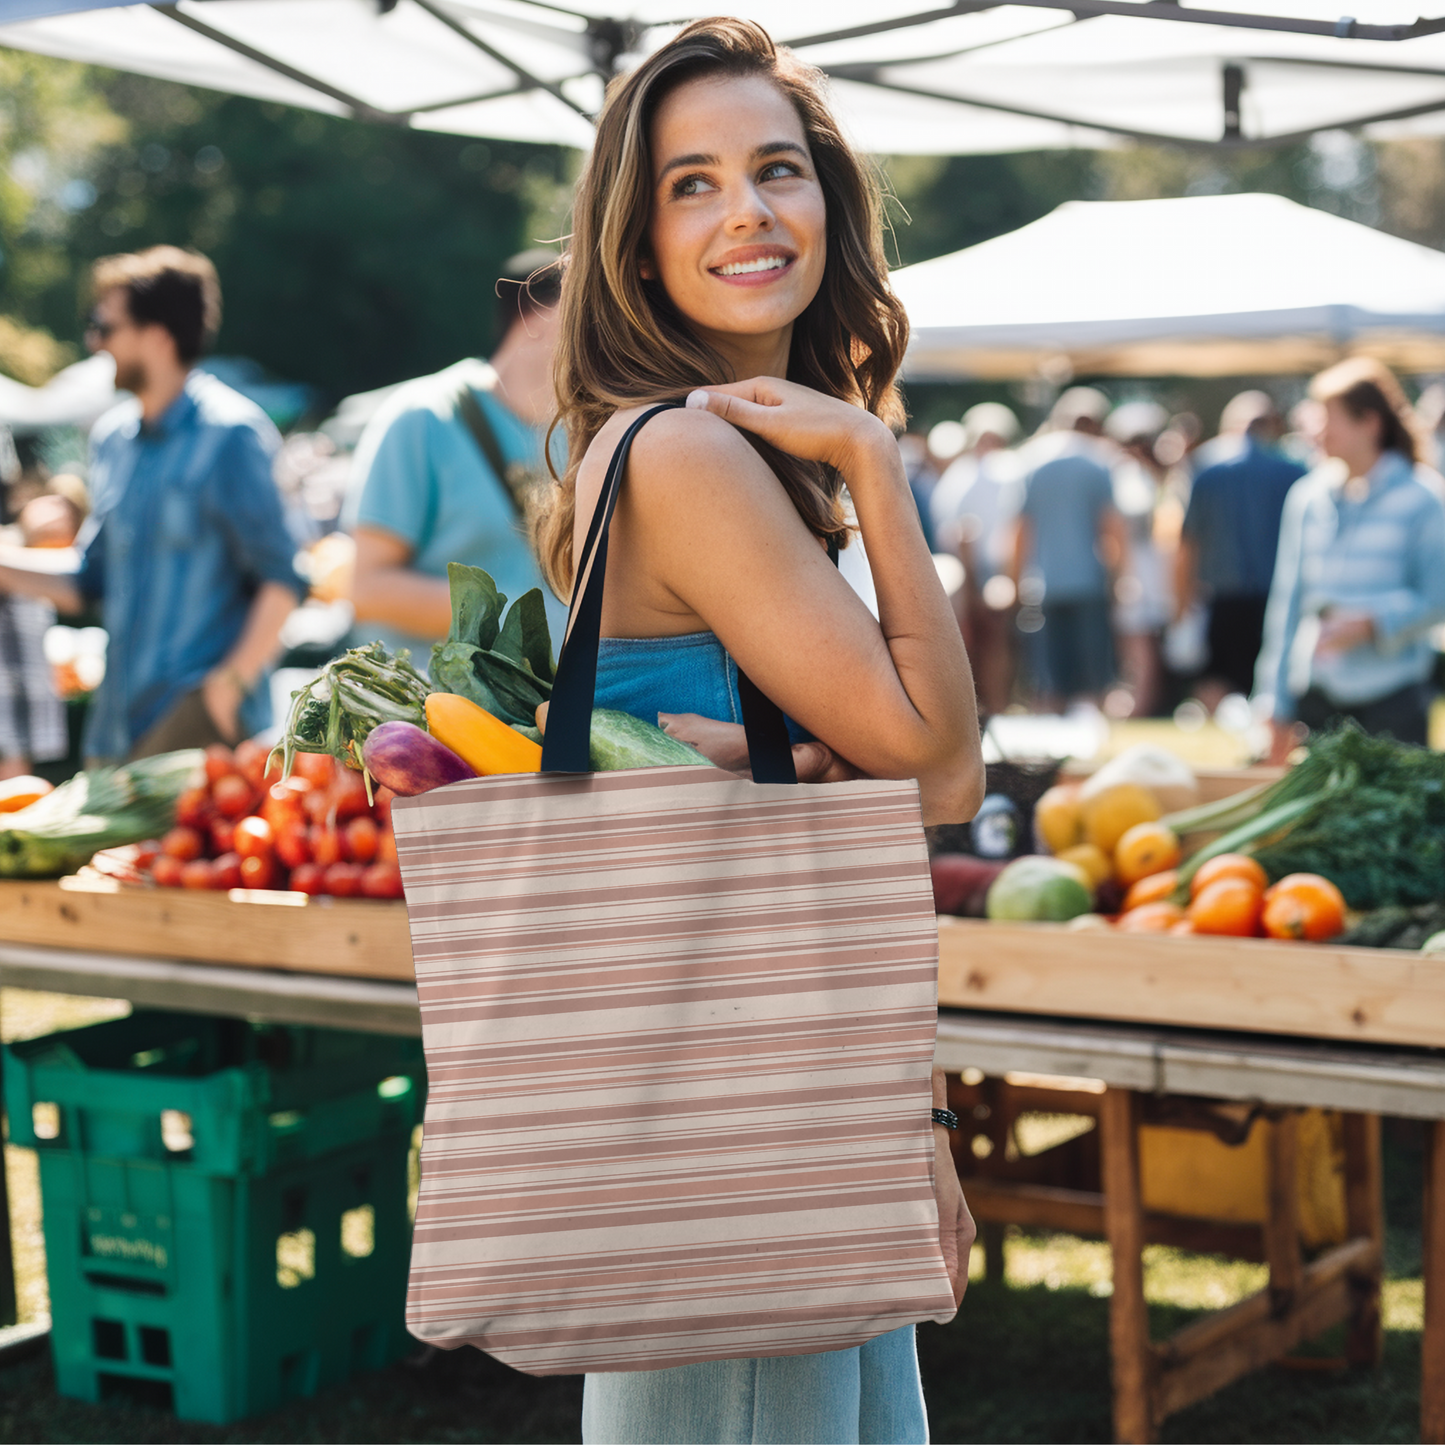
(246, 828)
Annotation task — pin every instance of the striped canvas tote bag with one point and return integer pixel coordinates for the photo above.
(679, 1027)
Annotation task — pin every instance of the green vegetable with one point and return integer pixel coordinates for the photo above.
(503, 665)
(99, 808)
(1366, 812)
(1039, 890)
(1396, 927)
(619, 740)
(335, 712)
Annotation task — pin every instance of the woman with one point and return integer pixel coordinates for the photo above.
(1360, 576)
(726, 250)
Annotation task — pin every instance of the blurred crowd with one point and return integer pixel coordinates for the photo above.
(1289, 568)
(1122, 559)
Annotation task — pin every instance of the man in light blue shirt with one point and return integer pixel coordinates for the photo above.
(1360, 579)
(441, 472)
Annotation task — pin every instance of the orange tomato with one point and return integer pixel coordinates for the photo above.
(1228, 865)
(1157, 917)
(1304, 905)
(1229, 906)
(1153, 889)
(1146, 848)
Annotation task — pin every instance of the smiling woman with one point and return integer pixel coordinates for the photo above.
(727, 253)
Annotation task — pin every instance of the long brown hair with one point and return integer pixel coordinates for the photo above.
(622, 342)
(1366, 387)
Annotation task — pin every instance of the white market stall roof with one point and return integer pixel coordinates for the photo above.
(952, 79)
(1203, 286)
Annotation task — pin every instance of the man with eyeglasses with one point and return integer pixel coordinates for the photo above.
(186, 549)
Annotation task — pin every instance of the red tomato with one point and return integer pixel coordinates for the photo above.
(307, 878)
(361, 837)
(146, 853)
(258, 871)
(325, 845)
(222, 831)
(386, 847)
(316, 803)
(251, 762)
(198, 873)
(382, 880)
(343, 880)
(220, 761)
(292, 849)
(348, 795)
(233, 796)
(254, 838)
(167, 871)
(317, 768)
(381, 808)
(183, 843)
(193, 808)
(227, 871)
(282, 804)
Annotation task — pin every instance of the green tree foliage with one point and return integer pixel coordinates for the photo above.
(351, 255)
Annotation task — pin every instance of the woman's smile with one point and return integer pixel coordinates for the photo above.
(754, 265)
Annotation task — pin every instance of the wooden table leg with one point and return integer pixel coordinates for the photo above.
(1365, 1213)
(1432, 1344)
(1281, 1225)
(1124, 1222)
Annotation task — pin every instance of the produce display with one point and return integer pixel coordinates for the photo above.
(45, 832)
(1348, 845)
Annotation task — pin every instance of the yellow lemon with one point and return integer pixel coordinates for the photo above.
(1110, 814)
(1057, 817)
(1094, 861)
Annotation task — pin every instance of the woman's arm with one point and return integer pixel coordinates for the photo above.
(708, 524)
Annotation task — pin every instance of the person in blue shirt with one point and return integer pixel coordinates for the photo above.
(443, 472)
(1359, 582)
(186, 549)
(1231, 536)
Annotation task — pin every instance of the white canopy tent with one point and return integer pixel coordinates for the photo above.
(962, 77)
(1203, 286)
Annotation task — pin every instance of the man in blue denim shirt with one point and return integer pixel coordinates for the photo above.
(187, 548)
(1360, 579)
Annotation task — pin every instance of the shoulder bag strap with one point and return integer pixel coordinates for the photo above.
(566, 744)
(515, 477)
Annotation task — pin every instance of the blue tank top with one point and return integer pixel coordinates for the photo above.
(691, 673)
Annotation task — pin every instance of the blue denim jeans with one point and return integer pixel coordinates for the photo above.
(868, 1396)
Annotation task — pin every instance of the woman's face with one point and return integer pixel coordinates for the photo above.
(738, 232)
(1353, 439)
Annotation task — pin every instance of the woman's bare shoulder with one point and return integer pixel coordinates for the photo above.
(681, 445)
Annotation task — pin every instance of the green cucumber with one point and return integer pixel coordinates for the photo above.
(620, 740)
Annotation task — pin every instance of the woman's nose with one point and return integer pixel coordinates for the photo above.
(750, 211)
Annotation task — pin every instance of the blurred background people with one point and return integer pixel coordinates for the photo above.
(1069, 543)
(186, 549)
(922, 474)
(1360, 576)
(974, 509)
(1230, 537)
(443, 472)
(1142, 594)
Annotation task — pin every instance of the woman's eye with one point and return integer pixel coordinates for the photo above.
(690, 186)
(778, 171)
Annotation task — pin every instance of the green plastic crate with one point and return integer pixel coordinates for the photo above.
(224, 1206)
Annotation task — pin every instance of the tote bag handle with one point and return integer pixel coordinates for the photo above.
(566, 744)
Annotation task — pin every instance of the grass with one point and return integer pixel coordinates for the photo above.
(1025, 1360)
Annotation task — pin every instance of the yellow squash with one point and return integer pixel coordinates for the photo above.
(484, 742)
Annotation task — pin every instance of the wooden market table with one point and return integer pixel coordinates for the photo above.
(1141, 1022)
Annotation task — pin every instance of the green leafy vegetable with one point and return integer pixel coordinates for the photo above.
(99, 808)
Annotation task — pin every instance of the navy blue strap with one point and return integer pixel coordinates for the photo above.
(566, 745)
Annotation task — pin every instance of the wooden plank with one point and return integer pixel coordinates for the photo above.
(371, 1005)
(1432, 1343)
(1281, 1225)
(1367, 995)
(1131, 1355)
(1365, 1213)
(361, 938)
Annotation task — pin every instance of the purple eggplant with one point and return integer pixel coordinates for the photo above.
(409, 760)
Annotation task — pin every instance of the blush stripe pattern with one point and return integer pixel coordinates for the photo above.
(678, 1028)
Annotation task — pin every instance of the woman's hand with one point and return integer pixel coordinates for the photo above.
(725, 745)
(955, 1224)
(798, 420)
